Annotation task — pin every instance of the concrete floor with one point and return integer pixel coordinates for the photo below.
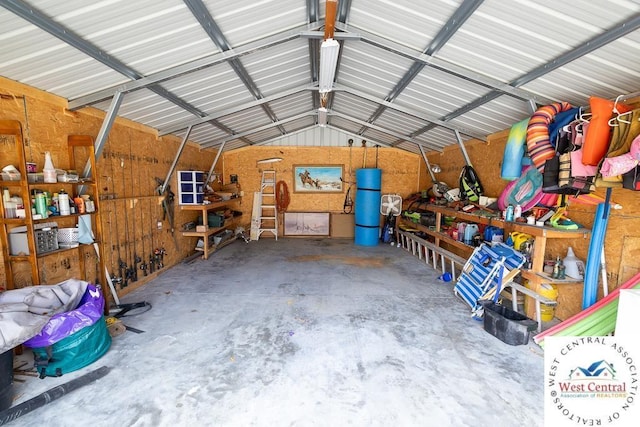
(302, 333)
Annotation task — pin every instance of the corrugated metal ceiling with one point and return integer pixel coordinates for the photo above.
(409, 72)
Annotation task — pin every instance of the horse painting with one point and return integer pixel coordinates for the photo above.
(317, 178)
(305, 178)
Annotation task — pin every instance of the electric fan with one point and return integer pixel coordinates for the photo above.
(390, 207)
(390, 204)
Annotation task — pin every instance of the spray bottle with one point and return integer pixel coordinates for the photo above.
(49, 171)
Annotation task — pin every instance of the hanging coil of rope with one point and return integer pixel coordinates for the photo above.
(282, 196)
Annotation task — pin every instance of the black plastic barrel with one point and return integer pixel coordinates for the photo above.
(6, 380)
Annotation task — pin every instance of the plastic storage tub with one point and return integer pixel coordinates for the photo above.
(507, 325)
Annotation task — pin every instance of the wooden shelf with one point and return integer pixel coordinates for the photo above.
(209, 206)
(209, 232)
(439, 236)
(535, 275)
(59, 183)
(204, 209)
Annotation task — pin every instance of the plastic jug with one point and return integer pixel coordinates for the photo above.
(574, 267)
(469, 232)
(461, 227)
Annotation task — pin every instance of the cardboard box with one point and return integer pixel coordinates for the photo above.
(342, 225)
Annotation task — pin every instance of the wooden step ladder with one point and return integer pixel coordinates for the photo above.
(268, 210)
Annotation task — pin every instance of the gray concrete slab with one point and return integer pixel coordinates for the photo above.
(303, 333)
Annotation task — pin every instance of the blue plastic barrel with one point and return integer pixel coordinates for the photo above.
(367, 215)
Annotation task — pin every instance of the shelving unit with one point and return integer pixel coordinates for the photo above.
(535, 274)
(204, 211)
(81, 149)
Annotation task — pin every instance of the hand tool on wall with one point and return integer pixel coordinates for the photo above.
(167, 207)
(347, 207)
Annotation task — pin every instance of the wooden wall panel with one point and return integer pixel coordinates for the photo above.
(400, 172)
(131, 159)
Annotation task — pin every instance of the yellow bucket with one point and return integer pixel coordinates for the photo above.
(550, 291)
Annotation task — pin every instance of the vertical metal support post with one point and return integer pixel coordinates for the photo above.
(103, 134)
(426, 160)
(462, 147)
(533, 106)
(175, 160)
(215, 162)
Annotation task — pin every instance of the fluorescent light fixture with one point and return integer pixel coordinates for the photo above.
(322, 116)
(329, 50)
(270, 160)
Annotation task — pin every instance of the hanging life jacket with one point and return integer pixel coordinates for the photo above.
(470, 186)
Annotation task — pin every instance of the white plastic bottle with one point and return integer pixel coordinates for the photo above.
(63, 202)
(49, 171)
(574, 267)
(517, 212)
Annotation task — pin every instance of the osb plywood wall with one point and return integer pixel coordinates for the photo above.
(131, 160)
(623, 231)
(400, 172)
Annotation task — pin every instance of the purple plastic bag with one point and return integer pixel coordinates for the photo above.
(61, 325)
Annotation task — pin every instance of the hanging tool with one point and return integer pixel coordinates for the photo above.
(439, 188)
(364, 156)
(164, 190)
(347, 207)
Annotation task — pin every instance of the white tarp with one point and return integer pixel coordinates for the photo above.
(23, 312)
(628, 318)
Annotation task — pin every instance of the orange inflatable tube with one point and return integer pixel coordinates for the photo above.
(596, 141)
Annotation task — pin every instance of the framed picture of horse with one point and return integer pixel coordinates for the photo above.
(317, 178)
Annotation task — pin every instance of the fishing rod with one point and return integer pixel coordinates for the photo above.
(129, 274)
(136, 258)
(122, 266)
(143, 263)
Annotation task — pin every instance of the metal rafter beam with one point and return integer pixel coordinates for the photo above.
(433, 121)
(313, 10)
(319, 35)
(68, 36)
(445, 66)
(382, 129)
(256, 130)
(190, 67)
(236, 109)
(40, 20)
(602, 39)
(202, 14)
(344, 7)
(459, 17)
